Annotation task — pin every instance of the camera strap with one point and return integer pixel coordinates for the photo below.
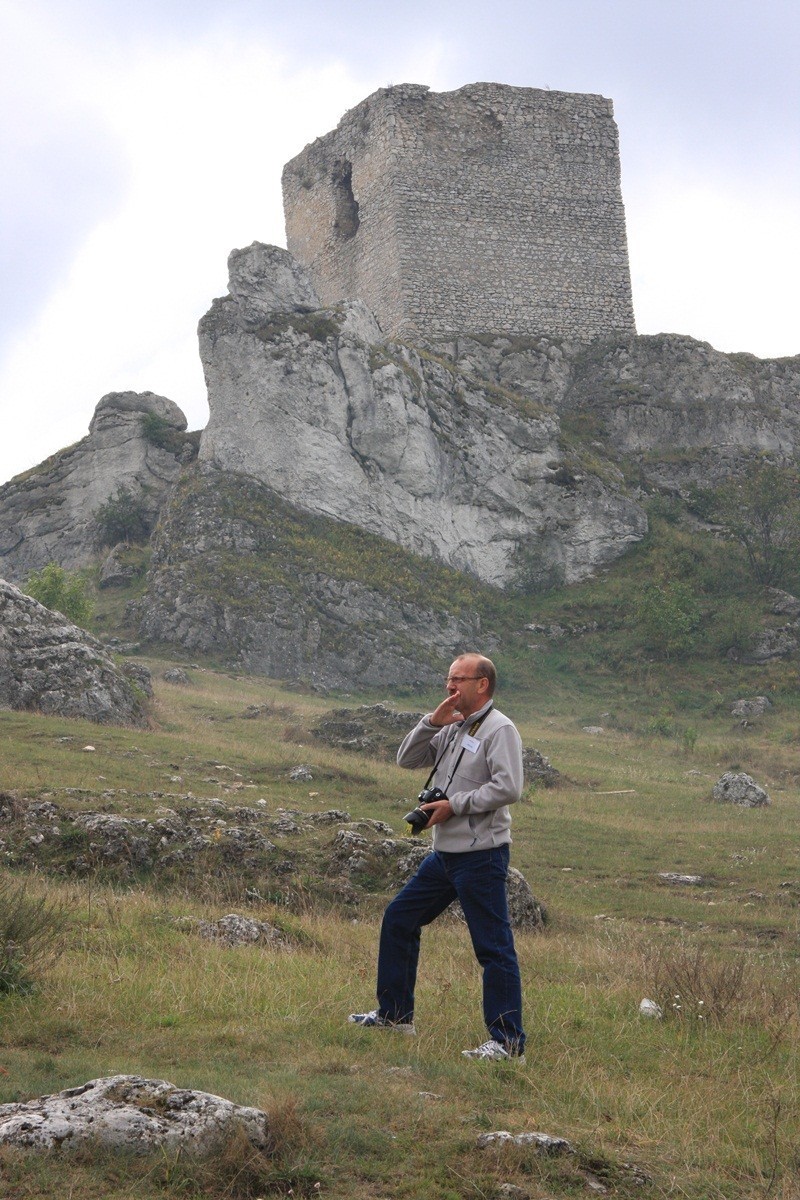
(473, 729)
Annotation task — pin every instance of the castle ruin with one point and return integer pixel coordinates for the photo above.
(490, 209)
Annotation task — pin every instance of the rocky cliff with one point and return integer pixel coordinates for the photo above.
(518, 460)
(239, 573)
(47, 514)
(408, 442)
(360, 505)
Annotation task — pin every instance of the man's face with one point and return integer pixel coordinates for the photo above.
(462, 682)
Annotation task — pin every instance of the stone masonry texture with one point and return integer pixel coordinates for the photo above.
(490, 209)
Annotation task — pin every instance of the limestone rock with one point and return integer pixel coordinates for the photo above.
(754, 707)
(736, 787)
(176, 675)
(647, 396)
(784, 604)
(265, 280)
(373, 729)
(140, 675)
(401, 442)
(236, 930)
(50, 665)
(538, 769)
(782, 642)
(230, 575)
(128, 1112)
(46, 514)
(542, 1143)
(114, 570)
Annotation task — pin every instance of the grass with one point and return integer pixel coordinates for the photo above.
(699, 1108)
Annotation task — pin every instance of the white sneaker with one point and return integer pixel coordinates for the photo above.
(373, 1020)
(494, 1052)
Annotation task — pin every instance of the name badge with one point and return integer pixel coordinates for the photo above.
(471, 743)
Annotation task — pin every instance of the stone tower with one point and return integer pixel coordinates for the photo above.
(490, 209)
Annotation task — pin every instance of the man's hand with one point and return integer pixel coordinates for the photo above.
(447, 713)
(440, 810)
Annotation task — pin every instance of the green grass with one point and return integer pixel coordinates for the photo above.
(704, 1109)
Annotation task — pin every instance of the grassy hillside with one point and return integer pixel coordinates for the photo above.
(702, 1104)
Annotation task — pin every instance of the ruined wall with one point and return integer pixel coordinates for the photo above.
(487, 209)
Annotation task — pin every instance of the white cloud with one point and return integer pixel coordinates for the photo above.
(206, 129)
(717, 264)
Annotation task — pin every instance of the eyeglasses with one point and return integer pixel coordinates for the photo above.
(460, 678)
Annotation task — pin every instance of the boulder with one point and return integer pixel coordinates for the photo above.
(236, 930)
(784, 604)
(540, 1143)
(538, 770)
(128, 1112)
(373, 729)
(49, 665)
(176, 675)
(738, 788)
(754, 707)
(782, 642)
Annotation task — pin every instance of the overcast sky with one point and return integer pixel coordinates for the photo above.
(141, 140)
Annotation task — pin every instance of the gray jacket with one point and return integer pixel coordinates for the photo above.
(488, 779)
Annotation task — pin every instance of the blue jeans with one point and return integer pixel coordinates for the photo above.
(478, 880)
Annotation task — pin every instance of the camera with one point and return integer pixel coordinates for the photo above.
(418, 819)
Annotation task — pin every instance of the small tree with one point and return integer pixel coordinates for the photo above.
(762, 512)
(62, 591)
(121, 519)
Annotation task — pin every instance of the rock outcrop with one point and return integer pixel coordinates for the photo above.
(408, 443)
(50, 665)
(127, 1112)
(516, 459)
(47, 514)
(237, 572)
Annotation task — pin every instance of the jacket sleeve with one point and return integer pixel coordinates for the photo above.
(420, 747)
(504, 786)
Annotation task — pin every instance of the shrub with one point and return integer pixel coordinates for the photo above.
(121, 519)
(667, 616)
(31, 930)
(690, 984)
(61, 591)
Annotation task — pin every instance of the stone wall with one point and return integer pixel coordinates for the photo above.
(487, 209)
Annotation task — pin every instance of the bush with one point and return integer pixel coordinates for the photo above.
(667, 616)
(735, 626)
(121, 519)
(31, 930)
(689, 983)
(61, 591)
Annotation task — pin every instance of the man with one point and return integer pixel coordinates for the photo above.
(475, 756)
